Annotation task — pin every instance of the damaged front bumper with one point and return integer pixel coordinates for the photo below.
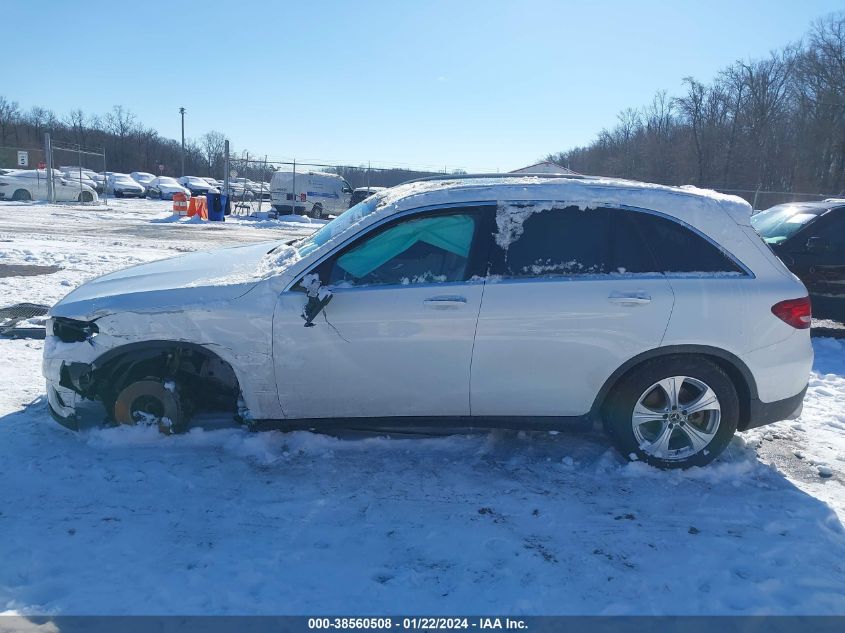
(67, 370)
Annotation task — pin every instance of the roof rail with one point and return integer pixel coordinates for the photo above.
(497, 175)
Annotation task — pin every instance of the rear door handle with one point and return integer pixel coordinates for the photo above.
(445, 302)
(630, 298)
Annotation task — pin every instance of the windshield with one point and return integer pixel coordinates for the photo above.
(337, 226)
(167, 181)
(778, 224)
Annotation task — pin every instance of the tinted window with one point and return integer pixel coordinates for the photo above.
(680, 250)
(434, 249)
(570, 241)
(832, 228)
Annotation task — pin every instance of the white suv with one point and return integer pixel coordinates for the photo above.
(530, 301)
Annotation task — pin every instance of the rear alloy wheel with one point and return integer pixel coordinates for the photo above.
(21, 195)
(674, 412)
(151, 402)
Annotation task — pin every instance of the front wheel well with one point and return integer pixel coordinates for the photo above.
(206, 382)
(737, 371)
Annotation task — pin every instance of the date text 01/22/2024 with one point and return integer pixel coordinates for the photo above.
(421, 623)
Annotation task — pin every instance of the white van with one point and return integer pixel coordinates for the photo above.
(313, 193)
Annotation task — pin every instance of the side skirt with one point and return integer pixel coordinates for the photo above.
(422, 423)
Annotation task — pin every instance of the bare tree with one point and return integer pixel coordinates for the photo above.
(9, 114)
(213, 145)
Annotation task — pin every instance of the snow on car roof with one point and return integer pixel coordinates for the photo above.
(589, 191)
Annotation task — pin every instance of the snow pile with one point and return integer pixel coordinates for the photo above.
(276, 261)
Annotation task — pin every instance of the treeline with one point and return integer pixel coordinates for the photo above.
(776, 123)
(128, 144)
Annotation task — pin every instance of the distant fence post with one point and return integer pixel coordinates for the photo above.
(226, 167)
(48, 153)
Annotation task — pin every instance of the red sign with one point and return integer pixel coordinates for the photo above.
(302, 197)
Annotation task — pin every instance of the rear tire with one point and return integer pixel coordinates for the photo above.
(317, 211)
(673, 412)
(21, 195)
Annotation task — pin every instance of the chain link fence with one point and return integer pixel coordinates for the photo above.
(19, 157)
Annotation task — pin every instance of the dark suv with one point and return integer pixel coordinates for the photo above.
(810, 239)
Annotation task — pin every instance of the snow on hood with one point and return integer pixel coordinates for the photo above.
(208, 276)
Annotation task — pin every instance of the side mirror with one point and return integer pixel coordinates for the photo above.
(318, 298)
(818, 245)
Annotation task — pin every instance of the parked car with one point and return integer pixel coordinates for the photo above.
(513, 302)
(123, 186)
(309, 193)
(83, 176)
(99, 181)
(143, 178)
(360, 194)
(164, 187)
(258, 190)
(31, 184)
(810, 239)
(239, 192)
(197, 186)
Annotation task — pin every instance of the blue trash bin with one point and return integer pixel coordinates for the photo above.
(216, 208)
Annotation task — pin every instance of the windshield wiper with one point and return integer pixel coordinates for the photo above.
(288, 243)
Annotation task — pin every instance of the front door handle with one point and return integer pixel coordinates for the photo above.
(630, 298)
(445, 302)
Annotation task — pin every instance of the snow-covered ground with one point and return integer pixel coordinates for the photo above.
(125, 521)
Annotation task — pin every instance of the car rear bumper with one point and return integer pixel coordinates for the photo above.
(762, 413)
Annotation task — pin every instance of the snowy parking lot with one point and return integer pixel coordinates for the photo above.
(125, 521)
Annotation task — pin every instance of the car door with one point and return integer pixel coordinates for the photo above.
(396, 339)
(573, 294)
(820, 252)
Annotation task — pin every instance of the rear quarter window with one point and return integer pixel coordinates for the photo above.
(679, 249)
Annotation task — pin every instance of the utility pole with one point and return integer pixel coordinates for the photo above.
(182, 112)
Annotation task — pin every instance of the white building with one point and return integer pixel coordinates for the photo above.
(545, 167)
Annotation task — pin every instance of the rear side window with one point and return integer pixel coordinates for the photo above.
(570, 241)
(679, 249)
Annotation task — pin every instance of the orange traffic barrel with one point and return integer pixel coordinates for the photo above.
(180, 204)
(202, 207)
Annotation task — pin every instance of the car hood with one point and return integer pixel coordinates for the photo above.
(168, 284)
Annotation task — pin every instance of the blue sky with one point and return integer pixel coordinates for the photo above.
(477, 85)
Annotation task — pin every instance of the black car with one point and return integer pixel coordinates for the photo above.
(810, 239)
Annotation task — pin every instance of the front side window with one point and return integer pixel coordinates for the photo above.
(434, 249)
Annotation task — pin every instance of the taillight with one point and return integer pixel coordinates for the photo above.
(795, 312)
